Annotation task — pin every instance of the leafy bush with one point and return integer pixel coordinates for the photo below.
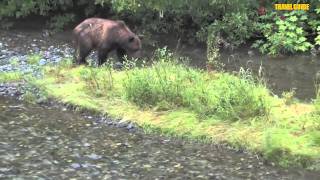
(183, 17)
(234, 21)
(58, 22)
(235, 28)
(287, 35)
(315, 26)
(225, 96)
(19, 9)
(16, 8)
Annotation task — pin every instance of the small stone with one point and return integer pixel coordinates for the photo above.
(250, 53)
(94, 156)
(109, 122)
(85, 165)
(46, 162)
(36, 49)
(130, 126)
(75, 165)
(121, 125)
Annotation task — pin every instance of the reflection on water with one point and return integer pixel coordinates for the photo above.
(48, 143)
(285, 73)
(297, 73)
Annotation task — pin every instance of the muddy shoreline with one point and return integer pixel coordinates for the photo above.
(16, 91)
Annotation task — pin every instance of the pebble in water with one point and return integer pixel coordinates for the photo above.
(75, 165)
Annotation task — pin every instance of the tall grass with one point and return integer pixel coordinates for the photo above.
(10, 76)
(99, 81)
(33, 59)
(169, 83)
(317, 100)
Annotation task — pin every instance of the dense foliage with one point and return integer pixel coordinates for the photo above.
(235, 22)
(288, 33)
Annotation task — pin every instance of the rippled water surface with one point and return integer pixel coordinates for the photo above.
(51, 143)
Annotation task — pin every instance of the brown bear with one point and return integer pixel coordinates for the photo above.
(104, 36)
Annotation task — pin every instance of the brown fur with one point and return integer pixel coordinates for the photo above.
(104, 36)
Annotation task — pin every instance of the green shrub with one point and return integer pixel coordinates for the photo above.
(235, 21)
(15, 8)
(235, 28)
(284, 35)
(315, 26)
(58, 22)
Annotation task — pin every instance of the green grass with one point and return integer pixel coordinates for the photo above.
(176, 100)
(10, 76)
(317, 100)
(167, 84)
(33, 59)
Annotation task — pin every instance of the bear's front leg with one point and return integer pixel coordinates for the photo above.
(120, 53)
(102, 57)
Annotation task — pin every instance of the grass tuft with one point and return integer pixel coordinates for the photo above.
(10, 76)
(167, 84)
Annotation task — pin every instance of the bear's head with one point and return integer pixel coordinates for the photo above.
(128, 40)
(133, 46)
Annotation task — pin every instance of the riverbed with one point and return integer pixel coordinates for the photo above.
(50, 142)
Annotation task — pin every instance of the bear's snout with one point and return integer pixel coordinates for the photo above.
(135, 54)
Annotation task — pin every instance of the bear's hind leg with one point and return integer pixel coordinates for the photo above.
(83, 53)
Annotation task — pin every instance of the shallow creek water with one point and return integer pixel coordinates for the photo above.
(41, 142)
(299, 73)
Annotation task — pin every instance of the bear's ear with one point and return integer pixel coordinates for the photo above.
(121, 23)
(131, 38)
